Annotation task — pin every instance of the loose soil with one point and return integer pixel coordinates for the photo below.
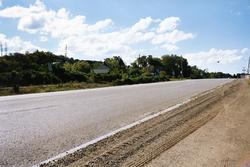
(222, 142)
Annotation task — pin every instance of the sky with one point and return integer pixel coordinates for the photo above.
(212, 34)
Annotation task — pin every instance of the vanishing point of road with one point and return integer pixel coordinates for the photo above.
(36, 127)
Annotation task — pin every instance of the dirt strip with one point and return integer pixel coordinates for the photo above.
(222, 142)
(140, 144)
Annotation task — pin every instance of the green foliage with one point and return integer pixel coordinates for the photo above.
(219, 75)
(43, 68)
(176, 66)
(163, 76)
(15, 78)
(196, 73)
(116, 65)
(102, 78)
(79, 66)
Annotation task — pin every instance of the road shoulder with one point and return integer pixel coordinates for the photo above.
(223, 141)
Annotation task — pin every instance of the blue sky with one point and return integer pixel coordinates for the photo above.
(204, 32)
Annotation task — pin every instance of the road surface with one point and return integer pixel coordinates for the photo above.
(36, 127)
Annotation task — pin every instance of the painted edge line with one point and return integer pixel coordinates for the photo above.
(61, 155)
(71, 151)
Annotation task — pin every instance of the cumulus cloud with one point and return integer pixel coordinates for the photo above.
(142, 25)
(214, 56)
(244, 50)
(172, 37)
(168, 24)
(100, 39)
(16, 44)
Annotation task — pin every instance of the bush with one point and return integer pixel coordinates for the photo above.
(99, 78)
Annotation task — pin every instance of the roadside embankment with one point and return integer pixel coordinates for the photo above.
(223, 141)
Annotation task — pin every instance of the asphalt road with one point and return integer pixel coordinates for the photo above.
(36, 127)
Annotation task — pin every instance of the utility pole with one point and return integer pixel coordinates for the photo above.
(6, 49)
(244, 70)
(182, 68)
(139, 60)
(248, 66)
(1, 47)
(66, 50)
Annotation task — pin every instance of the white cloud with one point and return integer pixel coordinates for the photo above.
(168, 24)
(226, 60)
(63, 13)
(97, 40)
(43, 38)
(100, 25)
(172, 37)
(142, 25)
(16, 44)
(31, 23)
(244, 50)
(170, 47)
(214, 56)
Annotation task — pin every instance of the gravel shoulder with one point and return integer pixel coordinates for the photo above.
(138, 145)
(224, 141)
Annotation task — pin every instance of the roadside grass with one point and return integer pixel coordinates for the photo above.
(4, 91)
(177, 79)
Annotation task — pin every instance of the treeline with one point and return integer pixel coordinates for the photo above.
(46, 68)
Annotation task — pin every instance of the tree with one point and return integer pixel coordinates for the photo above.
(15, 76)
(79, 66)
(155, 64)
(196, 73)
(116, 64)
(175, 66)
(19, 69)
(142, 61)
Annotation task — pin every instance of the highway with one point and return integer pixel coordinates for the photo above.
(36, 127)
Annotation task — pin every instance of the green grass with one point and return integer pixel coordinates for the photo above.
(4, 91)
(52, 88)
(177, 79)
